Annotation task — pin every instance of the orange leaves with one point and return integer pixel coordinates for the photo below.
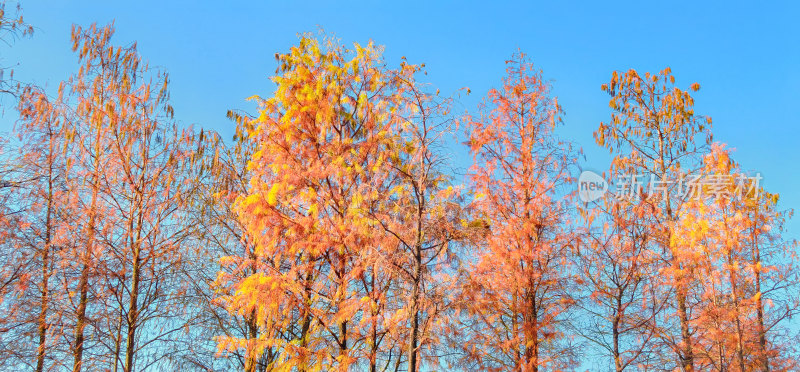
(272, 194)
(319, 175)
(705, 252)
(651, 108)
(344, 244)
(520, 273)
(113, 204)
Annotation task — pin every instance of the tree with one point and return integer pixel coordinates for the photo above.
(12, 26)
(223, 176)
(772, 273)
(422, 216)
(656, 133)
(517, 295)
(103, 73)
(319, 164)
(123, 195)
(144, 186)
(723, 227)
(44, 169)
(619, 270)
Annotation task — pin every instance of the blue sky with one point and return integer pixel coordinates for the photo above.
(746, 56)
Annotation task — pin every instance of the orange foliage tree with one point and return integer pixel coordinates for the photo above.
(141, 190)
(222, 177)
(735, 331)
(517, 295)
(46, 168)
(319, 166)
(617, 268)
(656, 134)
(102, 212)
(330, 235)
(422, 216)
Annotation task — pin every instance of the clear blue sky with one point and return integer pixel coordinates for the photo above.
(746, 56)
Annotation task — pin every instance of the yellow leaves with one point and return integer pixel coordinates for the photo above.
(398, 190)
(358, 168)
(362, 99)
(695, 87)
(409, 147)
(447, 193)
(251, 200)
(310, 193)
(272, 194)
(313, 209)
(378, 163)
(359, 51)
(600, 136)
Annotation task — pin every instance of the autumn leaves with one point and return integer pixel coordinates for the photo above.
(103, 182)
(674, 278)
(370, 258)
(348, 212)
(519, 288)
(330, 234)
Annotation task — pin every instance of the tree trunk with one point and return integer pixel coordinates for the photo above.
(532, 337)
(83, 284)
(133, 312)
(615, 334)
(83, 288)
(306, 315)
(45, 293)
(762, 334)
(737, 312)
(413, 342)
(251, 360)
(343, 287)
(118, 342)
(687, 356)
